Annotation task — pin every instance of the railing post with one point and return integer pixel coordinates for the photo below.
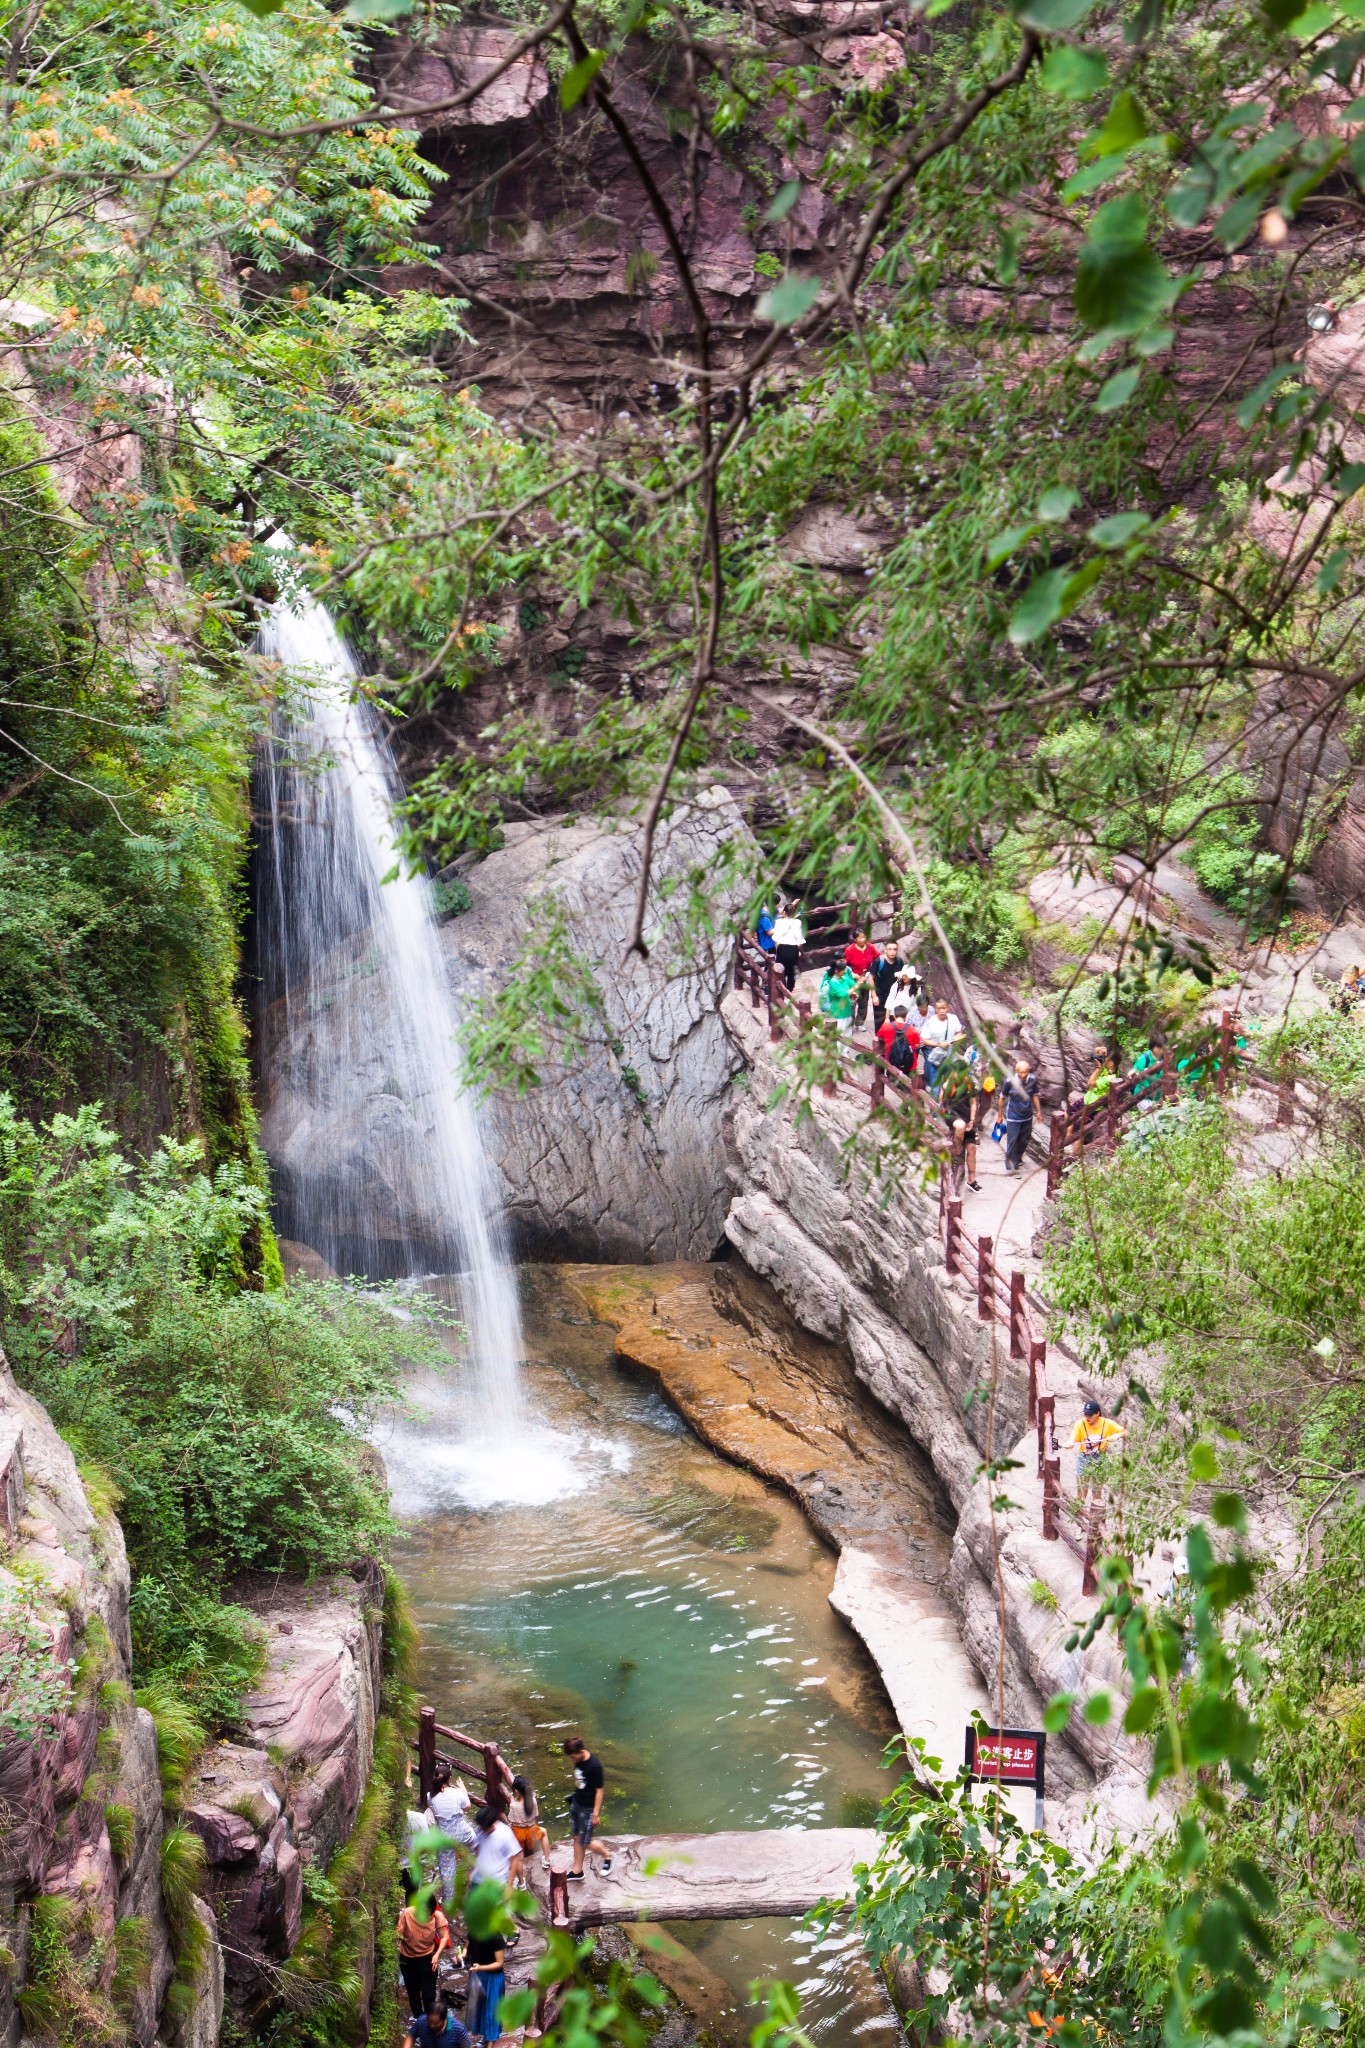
(1220, 1079)
(877, 1090)
(1017, 1316)
(1169, 1084)
(1285, 1103)
(953, 1238)
(774, 1028)
(803, 1011)
(985, 1280)
(1055, 1141)
(1052, 1493)
(1037, 1363)
(426, 1754)
(492, 1776)
(1089, 1578)
(1111, 1119)
(1046, 1405)
(559, 1897)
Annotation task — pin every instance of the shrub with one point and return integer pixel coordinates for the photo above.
(450, 897)
(227, 1419)
(121, 1829)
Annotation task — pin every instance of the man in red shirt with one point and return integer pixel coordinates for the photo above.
(861, 956)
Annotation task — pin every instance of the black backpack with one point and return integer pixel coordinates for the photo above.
(901, 1056)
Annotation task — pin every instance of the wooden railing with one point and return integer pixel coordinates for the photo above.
(1100, 1124)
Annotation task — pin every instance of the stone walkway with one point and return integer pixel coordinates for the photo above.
(774, 1872)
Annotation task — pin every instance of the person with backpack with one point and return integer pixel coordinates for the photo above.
(837, 990)
(899, 1042)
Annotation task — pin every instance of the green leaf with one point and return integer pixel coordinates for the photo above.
(1118, 529)
(1093, 176)
(261, 8)
(1203, 1461)
(1229, 1512)
(1058, 503)
(1121, 283)
(1073, 74)
(1118, 389)
(1039, 607)
(1154, 342)
(1236, 222)
(1265, 390)
(787, 301)
(1008, 543)
(1143, 1709)
(377, 10)
(1350, 479)
(1312, 21)
(1123, 127)
(648, 1988)
(1099, 1708)
(579, 77)
(1052, 14)
(486, 1910)
(1281, 12)
(1199, 1554)
(784, 200)
(1057, 1712)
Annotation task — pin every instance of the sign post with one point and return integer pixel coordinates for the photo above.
(1009, 1756)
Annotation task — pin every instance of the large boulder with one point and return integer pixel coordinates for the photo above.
(286, 1796)
(619, 1153)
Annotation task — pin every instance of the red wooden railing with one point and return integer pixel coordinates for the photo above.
(1099, 1124)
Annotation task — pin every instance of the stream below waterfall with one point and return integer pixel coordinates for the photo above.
(605, 1570)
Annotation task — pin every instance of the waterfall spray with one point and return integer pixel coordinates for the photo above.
(354, 963)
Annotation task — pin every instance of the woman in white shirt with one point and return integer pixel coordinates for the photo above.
(449, 1811)
(788, 939)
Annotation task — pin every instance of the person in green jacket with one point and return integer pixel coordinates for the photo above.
(836, 996)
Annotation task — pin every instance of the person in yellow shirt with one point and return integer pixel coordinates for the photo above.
(1093, 1436)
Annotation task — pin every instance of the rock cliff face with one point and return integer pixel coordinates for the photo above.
(286, 1797)
(82, 1823)
(80, 1797)
(867, 1273)
(618, 1155)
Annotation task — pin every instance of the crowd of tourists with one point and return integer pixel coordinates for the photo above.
(441, 1962)
(919, 1034)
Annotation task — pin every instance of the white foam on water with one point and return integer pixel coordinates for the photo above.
(433, 1474)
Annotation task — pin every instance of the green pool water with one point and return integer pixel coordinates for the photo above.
(606, 1572)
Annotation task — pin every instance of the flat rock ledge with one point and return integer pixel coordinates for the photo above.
(776, 1872)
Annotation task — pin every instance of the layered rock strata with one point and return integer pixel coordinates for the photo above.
(286, 1796)
(81, 1824)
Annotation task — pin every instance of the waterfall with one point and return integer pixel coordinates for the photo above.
(359, 1013)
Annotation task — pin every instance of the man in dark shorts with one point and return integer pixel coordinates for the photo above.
(585, 1804)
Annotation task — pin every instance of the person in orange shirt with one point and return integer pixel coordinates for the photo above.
(1093, 1436)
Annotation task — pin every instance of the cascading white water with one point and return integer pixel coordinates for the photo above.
(358, 1000)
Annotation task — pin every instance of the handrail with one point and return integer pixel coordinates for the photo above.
(1071, 1129)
